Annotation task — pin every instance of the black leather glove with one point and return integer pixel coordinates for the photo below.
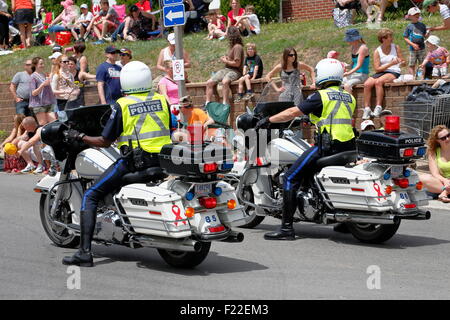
(74, 135)
(263, 123)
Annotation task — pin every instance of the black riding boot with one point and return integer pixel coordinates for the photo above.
(83, 257)
(286, 231)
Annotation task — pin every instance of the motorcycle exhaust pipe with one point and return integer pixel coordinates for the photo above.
(234, 237)
(358, 218)
(188, 245)
(422, 215)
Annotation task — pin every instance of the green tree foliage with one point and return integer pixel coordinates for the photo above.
(266, 10)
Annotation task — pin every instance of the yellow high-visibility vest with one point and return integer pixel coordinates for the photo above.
(337, 112)
(148, 115)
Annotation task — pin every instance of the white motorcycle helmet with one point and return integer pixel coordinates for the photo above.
(329, 70)
(135, 77)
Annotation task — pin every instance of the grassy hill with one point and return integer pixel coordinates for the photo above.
(312, 39)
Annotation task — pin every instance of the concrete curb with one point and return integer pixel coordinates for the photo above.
(437, 205)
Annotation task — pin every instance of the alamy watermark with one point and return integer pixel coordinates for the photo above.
(374, 280)
(74, 279)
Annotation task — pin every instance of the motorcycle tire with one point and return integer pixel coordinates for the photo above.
(183, 259)
(58, 235)
(373, 233)
(254, 220)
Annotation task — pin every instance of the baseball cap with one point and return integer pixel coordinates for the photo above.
(171, 38)
(428, 3)
(413, 11)
(84, 6)
(57, 48)
(367, 123)
(111, 49)
(433, 40)
(55, 55)
(333, 54)
(125, 51)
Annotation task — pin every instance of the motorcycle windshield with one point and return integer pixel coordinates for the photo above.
(89, 119)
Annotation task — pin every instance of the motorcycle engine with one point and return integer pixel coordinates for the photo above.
(109, 227)
(306, 205)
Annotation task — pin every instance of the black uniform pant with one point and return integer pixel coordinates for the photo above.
(4, 30)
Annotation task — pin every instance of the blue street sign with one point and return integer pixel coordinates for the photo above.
(174, 15)
(172, 2)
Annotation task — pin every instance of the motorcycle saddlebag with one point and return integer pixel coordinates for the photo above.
(390, 147)
(183, 159)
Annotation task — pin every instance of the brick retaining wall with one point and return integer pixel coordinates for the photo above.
(300, 10)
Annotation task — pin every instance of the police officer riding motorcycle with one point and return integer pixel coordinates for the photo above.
(140, 122)
(330, 109)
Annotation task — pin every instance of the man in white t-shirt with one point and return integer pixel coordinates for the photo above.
(82, 22)
(433, 6)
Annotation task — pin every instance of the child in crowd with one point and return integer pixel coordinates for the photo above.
(414, 35)
(249, 21)
(253, 69)
(14, 163)
(216, 27)
(437, 59)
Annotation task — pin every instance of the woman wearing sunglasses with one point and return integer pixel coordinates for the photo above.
(438, 182)
(290, 73)
(63, 83)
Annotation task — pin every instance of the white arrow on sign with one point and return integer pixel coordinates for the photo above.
(174, 15)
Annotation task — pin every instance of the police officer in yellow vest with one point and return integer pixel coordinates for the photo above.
(141, 111)
(331, 110)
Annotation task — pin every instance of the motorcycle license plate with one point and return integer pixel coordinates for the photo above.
(396, 171)
(203, 189)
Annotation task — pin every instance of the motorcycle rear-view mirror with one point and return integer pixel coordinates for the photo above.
(250, 176)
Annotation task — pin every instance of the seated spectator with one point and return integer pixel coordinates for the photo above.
(107, 20)
(433, 6)
(125, 57)
(235, 12)
(193, 13)
(29, 145)
(438, 181)
(80, 27)
(167, 86)
(359, 71)
(437, 59)
(382, 4)
(387, 61)
(367, 125)
(233, 62)
(290, 73)
(253, 69)
(14, 163)
(63, 83)
(137, 25)
(108, 78)
(20, 89)
(191, 115)
(249, 22)
(216, 28)
(414, 35)
(63, 22)
(42, 98)
(168, 54)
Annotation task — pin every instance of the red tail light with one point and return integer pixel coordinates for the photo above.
(217, 229)
(410, 206)
(208, 203)
(209, 167)
(402, 183)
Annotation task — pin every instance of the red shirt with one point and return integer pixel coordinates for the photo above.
(23, 4)
(144, 6)
(230, 15)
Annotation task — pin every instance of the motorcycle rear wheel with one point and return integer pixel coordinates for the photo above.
(373, 233)
(183, 259)
(254, 220)
(58, 235)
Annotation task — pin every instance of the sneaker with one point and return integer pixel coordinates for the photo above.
(377, 111)
(99, 41)
(29, 168)
(39, 169)
(248, 96)
(108, 39)
(366, 114)
(222, 38)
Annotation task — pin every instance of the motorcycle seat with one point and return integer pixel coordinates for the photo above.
(148, 175)
(338, 159)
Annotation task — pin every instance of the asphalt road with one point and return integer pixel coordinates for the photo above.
(321, 264)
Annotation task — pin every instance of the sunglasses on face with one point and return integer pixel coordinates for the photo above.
(123, 54)
(65, 61)
(444, 137)
(27, 64)
(291, 55)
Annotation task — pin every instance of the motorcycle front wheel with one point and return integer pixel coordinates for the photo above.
(183, 259)
(373, 233)
(58, 234)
